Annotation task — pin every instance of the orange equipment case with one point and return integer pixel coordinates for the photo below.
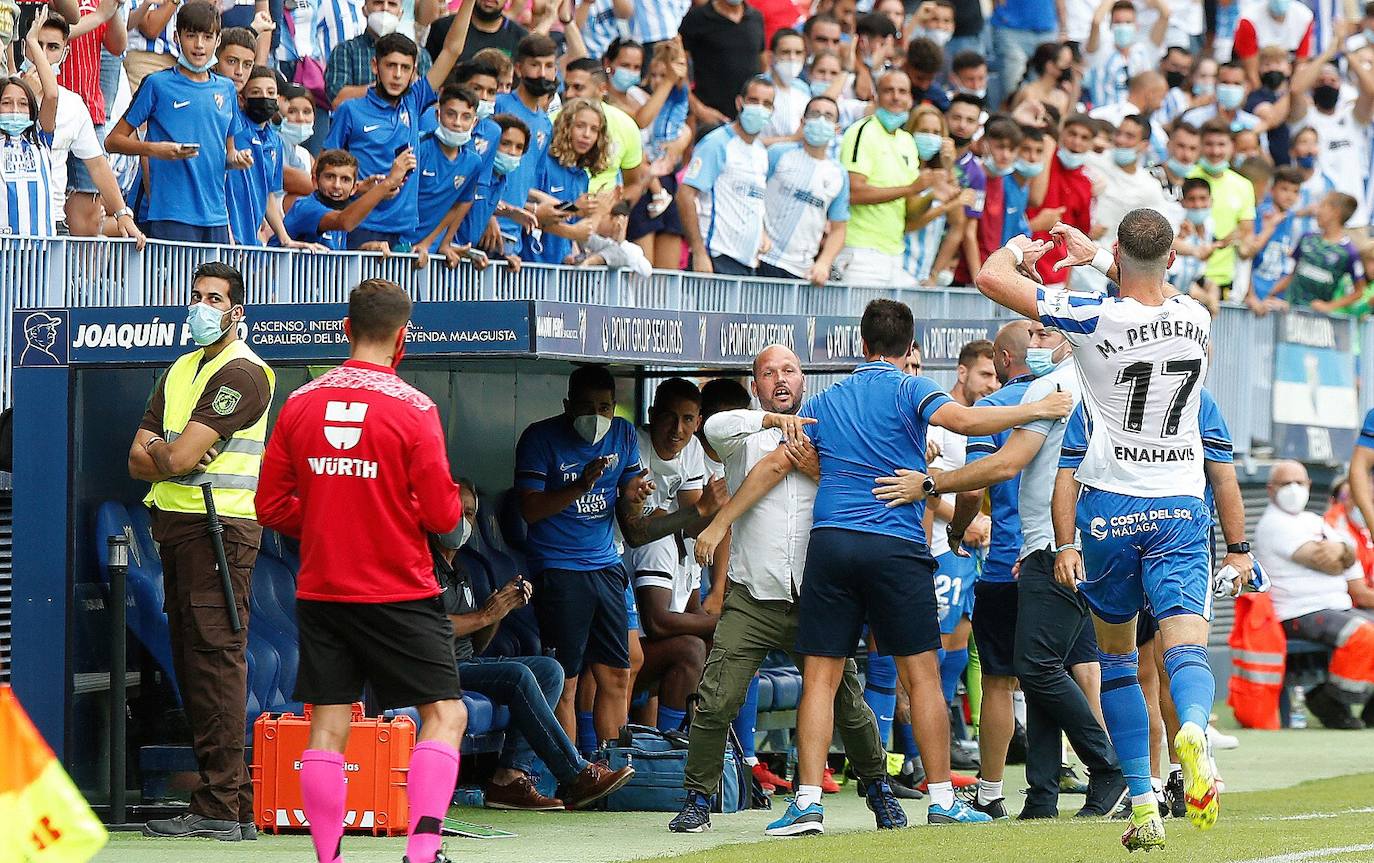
(376, 762)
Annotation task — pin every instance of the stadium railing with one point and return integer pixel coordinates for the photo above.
(73, 271)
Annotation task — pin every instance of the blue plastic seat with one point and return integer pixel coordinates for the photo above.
(144, 596)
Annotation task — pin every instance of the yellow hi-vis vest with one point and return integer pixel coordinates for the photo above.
(234, 472)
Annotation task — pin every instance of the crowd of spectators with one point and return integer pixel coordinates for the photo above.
(881, 143)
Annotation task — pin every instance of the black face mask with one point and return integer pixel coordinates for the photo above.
(1273, 79)
(1325, 97)
(330, 202)
(260, 109)
(1066, 76)
(1175, 80)
(960, 141)
(539, 87)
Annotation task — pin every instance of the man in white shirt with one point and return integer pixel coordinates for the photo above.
(666, 583)
(1310, 566)
(767, 557)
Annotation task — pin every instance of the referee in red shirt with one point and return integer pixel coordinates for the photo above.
(357, 468)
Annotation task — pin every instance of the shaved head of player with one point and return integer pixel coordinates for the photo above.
(778, 380)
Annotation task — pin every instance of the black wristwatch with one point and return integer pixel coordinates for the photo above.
(1238, 548)
(929, 486)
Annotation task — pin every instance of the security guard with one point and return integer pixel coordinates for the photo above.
(207, 422)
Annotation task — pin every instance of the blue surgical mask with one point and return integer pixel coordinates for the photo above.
(995, 170)
(485, 109)
(1279, 8)
(891, 120)
(1229, 96)
(450, 138)
(1308, 162)
(788, 70)
(1216, 169)
(1040, 361)
(186, 64)
(296, 133)
(819, 88)
(752, 118)
(1070, 160)
(623, 79)
(1181, 169)
(1123, 34)
(1198, 215)
(206, 323)
(1124, 156)
(504, 163)
(927, 144)
(818, 131)
(1204, 89)
(15, 125)
(1028, 169)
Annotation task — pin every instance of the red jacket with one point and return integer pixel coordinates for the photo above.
(357, 468)
(1073, 191)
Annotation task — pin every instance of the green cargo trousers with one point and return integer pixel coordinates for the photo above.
(748, 630)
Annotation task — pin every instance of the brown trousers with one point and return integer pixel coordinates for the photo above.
(212, 668)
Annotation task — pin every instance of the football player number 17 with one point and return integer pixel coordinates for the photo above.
(1137, 377)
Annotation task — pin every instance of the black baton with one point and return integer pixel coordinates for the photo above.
(216, 531)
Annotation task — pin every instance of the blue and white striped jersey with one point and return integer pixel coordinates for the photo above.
(1142, 369)
(803, 194)
(656, 20)
(603, 28)
(1110, 70)
(26, 191)
(731, 178)
(1187, 269)
(163, 43)
(923, 246)
(337, 21)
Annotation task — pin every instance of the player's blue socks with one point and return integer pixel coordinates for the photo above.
(586, 734)
(880, 691)
(670, 718)
(746, 719)
(1128, 723)
(952, 665)
(1190, 682)
(906, 739)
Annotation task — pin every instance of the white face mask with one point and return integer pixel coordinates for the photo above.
(789, 70)
(1292, 497)
(457, 537)
(383, 23)
(592, 427)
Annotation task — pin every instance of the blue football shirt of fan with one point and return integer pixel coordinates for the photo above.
(444, 182)
(869, 425)
(522, 179)
(175, 108)
(303, 223)
(373, 129)
(1006, 514)
(550, 455)
(566, 184)
(247, 190)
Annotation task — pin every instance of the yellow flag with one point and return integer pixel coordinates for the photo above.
(43, 818)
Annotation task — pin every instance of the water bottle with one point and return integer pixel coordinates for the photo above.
(1297, 711)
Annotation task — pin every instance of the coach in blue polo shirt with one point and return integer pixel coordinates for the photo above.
(191, 114)
(869, 561)
(377, 126)
(578, 474)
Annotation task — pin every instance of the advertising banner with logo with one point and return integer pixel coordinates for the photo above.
(1316, 404)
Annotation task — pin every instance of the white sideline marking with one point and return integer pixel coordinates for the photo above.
(1299, 856)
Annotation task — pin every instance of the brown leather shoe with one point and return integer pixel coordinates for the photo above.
(520, 794)
(593, 783)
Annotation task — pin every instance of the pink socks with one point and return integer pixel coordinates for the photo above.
(322, 793)
(433, 775)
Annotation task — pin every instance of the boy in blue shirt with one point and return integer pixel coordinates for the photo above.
(378, 126)
(578, 474)
(536, 76)
(480, 221)
(190, 113)
(449, 170)
(1277, 235)
(332, 211)
(254, 195)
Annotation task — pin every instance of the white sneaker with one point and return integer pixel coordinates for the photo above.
(1220, 740)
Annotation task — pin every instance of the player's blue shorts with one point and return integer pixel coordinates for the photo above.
(954, 578)
(631, 609)
(1145, 553)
